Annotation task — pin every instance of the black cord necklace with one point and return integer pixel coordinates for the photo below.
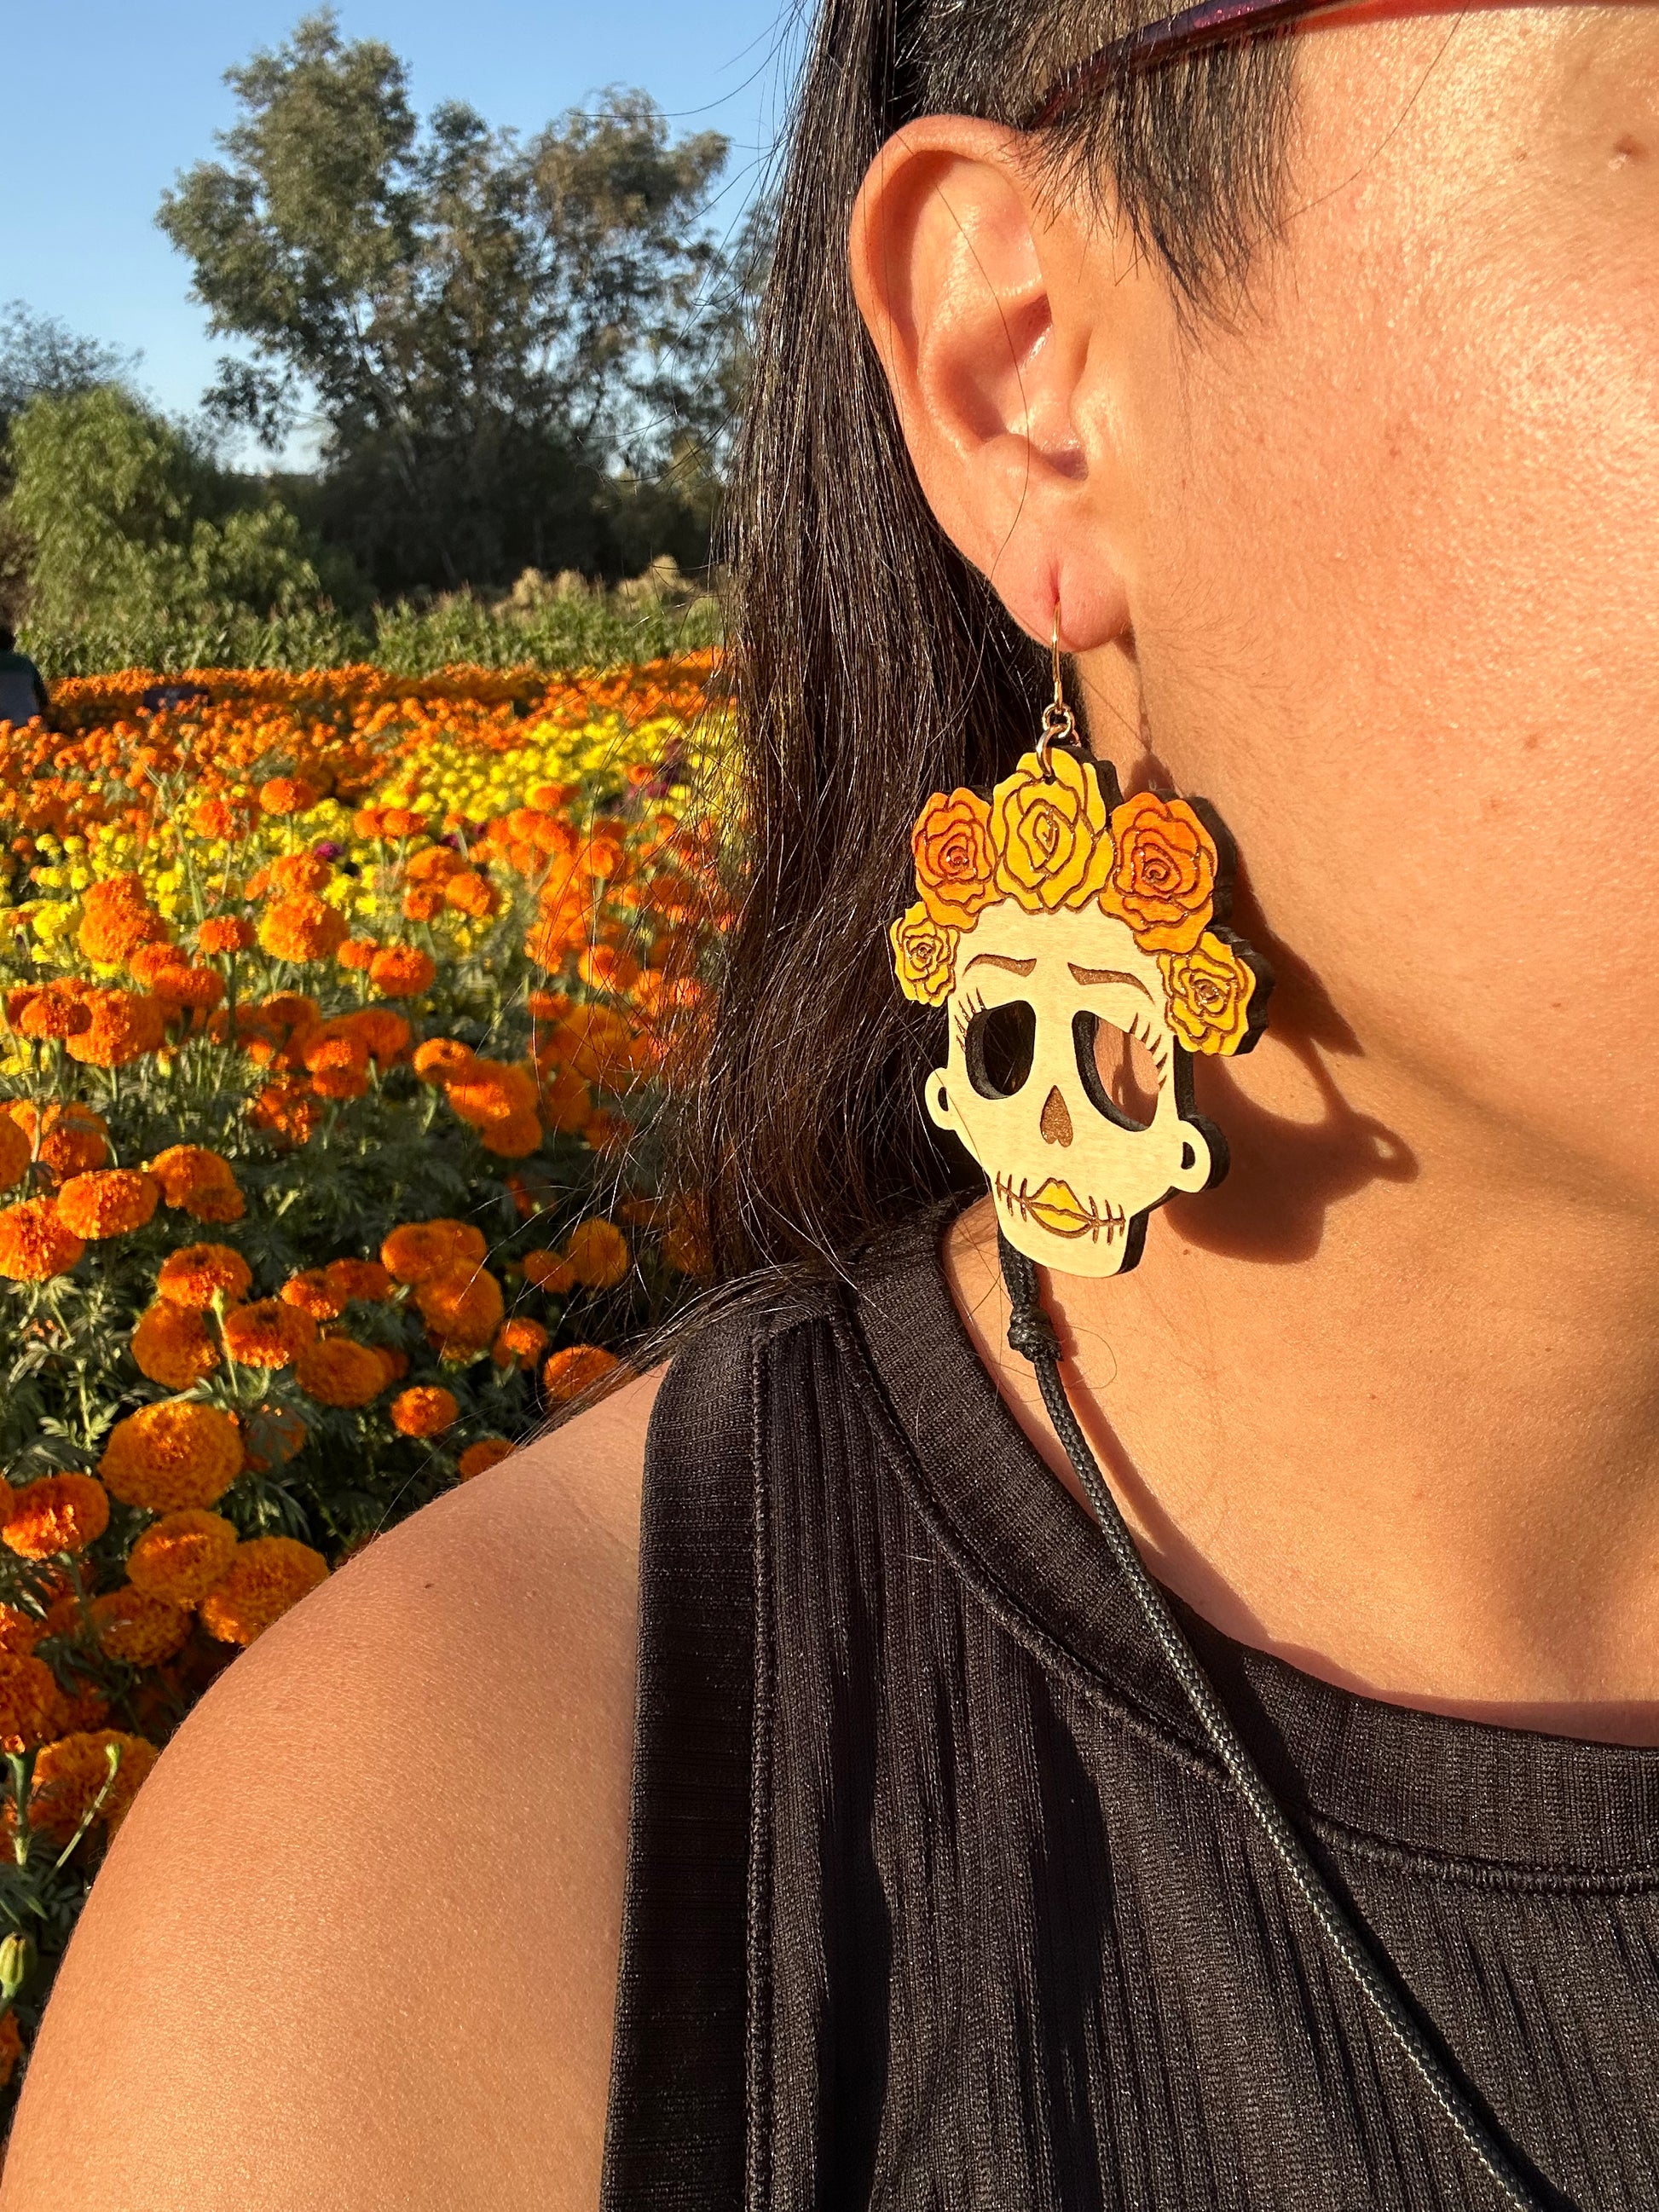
(1031, 1334)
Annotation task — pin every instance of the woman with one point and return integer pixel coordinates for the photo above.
(1315, 381)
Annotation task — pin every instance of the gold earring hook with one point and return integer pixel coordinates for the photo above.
(1058, 723)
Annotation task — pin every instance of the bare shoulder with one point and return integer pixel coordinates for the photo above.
(356, 1944)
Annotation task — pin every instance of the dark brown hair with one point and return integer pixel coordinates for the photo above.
(871, 664)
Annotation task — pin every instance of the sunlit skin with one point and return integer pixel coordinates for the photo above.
(1377, 573)
(1381, 1402)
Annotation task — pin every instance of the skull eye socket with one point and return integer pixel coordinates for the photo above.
(1117, 1071)
(998, 1046)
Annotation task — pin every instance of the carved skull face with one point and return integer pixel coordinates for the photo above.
(1049, 1013)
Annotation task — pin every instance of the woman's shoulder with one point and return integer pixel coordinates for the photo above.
(368, 1905)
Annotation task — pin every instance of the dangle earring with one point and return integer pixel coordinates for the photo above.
(1080, 943)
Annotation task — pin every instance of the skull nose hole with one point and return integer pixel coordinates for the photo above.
(1056, 1122)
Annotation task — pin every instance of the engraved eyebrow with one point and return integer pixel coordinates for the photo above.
(1107, 975)
(1000, 960)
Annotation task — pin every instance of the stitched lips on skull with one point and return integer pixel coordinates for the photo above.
(1078, 943)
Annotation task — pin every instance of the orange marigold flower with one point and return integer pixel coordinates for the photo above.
(197, 1274)
(14, 1152)
(314, 1293)
(70, 1774)
(386, 1035)
(469, 893)
(58, 1513)
(479, 1458)
(337, 1065)
(549, 1272)
(491, 1091)
(358, 1279)
(425, 1410)
(34, 1243)
(200, 989)
(173, 1345)
(396, 1364)
(180, 1558)
(288, 794)
(301, 872)
(422, 902)
(108, 933)
(570, 1373)
(197, 1182)
(358, 952)
(515, 1138)
(340, 1371)
(608, 968)
(142, 1630)
(418, 1249)
(69, 1138)
(402, 971)
(268, 1334)
(151, 962)
(123, 1027)
(597, 1252)
(444, 1060)
(224, 933)
(265, 1578)
(20, 1631)
(301, 927)
(171, 1455)
(288, 1108)
(56, 1014)
(221, 817)
(517, 1343)
(463, 1304)
(108, 1201)
(28, 1701)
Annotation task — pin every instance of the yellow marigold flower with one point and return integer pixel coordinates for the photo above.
(597, 1252)
(173, 1345)
(1207, 994)
(14, 1152)
(575, 1369)
(549, 1272)
(479, 1458)
(123, 1027)
(198, 1182)
(288, 794)
(180, 1558)
(107, 1201)
(924, 955)
(269, 1332)
(140, 1630)
(58, 1513)
(69, 1774)
(444, 1060)
(28, 1701)
(171, 1455)
(425, 1410)
(69, 1138)
(34, 1243)
(340, 1371)
(197, 1274)
(313, 1294)
(402, 971)
(462, 1304)
(224, 933)
(358, 1278)
(264, 1579)
(301, 927)
(517, 1343)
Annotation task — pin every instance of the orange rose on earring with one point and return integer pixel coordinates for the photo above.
(924, 957)
(1162, 881)
(1207, 994)
(1054, 848)
(956, 863)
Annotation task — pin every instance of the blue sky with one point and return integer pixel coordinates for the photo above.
(106, 101)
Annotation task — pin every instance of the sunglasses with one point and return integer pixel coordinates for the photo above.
(1212, 23)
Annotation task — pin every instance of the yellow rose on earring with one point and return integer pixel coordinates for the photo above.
(1053, 844)
(924, 957)
(1207, 995)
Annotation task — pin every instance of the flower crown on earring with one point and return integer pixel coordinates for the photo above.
(1057, 836)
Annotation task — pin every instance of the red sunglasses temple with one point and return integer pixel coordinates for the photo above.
(1211, 24)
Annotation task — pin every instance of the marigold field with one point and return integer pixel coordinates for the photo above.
(336, 1012)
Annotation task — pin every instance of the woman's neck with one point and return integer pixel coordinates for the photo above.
(1389, 1419)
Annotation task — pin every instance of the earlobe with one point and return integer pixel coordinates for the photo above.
(947, 255)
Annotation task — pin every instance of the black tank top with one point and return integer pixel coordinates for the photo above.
(936, 1897)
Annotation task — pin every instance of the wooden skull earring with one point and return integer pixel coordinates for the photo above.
(1078, 940)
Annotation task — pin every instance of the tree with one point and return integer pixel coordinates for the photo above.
(39, 355)
(488, 328)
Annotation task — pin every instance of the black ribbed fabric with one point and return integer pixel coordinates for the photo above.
(937, 1898)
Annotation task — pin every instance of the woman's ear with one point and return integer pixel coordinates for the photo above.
(955, 265)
